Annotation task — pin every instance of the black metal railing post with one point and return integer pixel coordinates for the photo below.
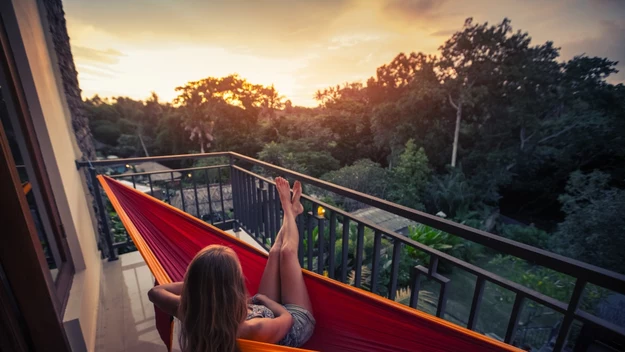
(259, 212)
(277, 206)
(332, 245)
(106, 232)
(184, 207)
(513, 323)
(375, 263)
(569, 315)
(235, 193)
(234, 177)
(309, 250)
(392, 285)
(345, 249)
(208, 195)
(247, 202)
(221, 196)
(300, 248)
(270, 217)
(264, 213)
(321, 245)
(476, 303)
(415, 288)
(360, 242)
(253, 206)
(151, 186)
(197, 202)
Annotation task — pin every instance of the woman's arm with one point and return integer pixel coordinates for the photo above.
(166, 297)
(265, 329)
(275, 307)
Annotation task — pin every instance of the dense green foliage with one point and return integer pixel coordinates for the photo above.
(494, 130)
(594, 224)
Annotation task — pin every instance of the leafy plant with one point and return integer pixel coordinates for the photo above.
(450, 193)
(436, 239)
(594, 228)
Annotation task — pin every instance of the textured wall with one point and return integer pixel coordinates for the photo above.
(69, 75)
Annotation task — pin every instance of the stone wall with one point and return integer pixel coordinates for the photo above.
(69, 75)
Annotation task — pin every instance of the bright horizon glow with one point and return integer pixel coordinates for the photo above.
(122, 49)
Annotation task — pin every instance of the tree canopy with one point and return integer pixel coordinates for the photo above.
(491, 126)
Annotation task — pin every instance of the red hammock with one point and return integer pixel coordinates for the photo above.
(348, 319)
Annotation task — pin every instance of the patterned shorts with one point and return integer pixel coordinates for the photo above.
(302, 329)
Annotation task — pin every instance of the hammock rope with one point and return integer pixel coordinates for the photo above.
(348, 319)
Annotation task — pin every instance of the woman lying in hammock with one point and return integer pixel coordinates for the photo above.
(212, 302)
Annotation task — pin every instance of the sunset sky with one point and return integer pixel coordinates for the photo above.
(133, 47)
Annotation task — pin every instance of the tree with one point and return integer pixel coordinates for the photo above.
(483, 61)
(105, 132)
(298, 156)
(127, 145)
(270, 102)
(407, 97)
(225, 111)
(347, 114)
(363, 176)
(199, 104)
(133, 120)
(594, 228)
(410, 177)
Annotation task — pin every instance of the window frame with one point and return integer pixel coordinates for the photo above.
(19, 114)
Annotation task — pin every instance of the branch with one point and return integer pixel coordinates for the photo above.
(557, 134)
(523, 139)
(451, 101)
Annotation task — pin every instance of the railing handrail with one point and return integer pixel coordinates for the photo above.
(587, 272)
(208, 167)
(111, 162)
(584, 271)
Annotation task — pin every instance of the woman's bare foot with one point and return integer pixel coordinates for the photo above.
(284, 191)
(297, 193)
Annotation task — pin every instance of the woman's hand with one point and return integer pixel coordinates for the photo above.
(259, 298)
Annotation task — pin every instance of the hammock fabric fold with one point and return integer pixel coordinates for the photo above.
(348, 319)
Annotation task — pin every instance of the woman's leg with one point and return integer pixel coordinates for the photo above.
(294, 289)
(270, 281)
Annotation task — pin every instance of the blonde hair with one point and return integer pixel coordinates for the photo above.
(213, 302)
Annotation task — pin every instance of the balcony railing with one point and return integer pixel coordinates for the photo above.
(238, 198)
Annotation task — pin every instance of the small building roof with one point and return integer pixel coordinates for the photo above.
(385, 219)
(151, 166)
